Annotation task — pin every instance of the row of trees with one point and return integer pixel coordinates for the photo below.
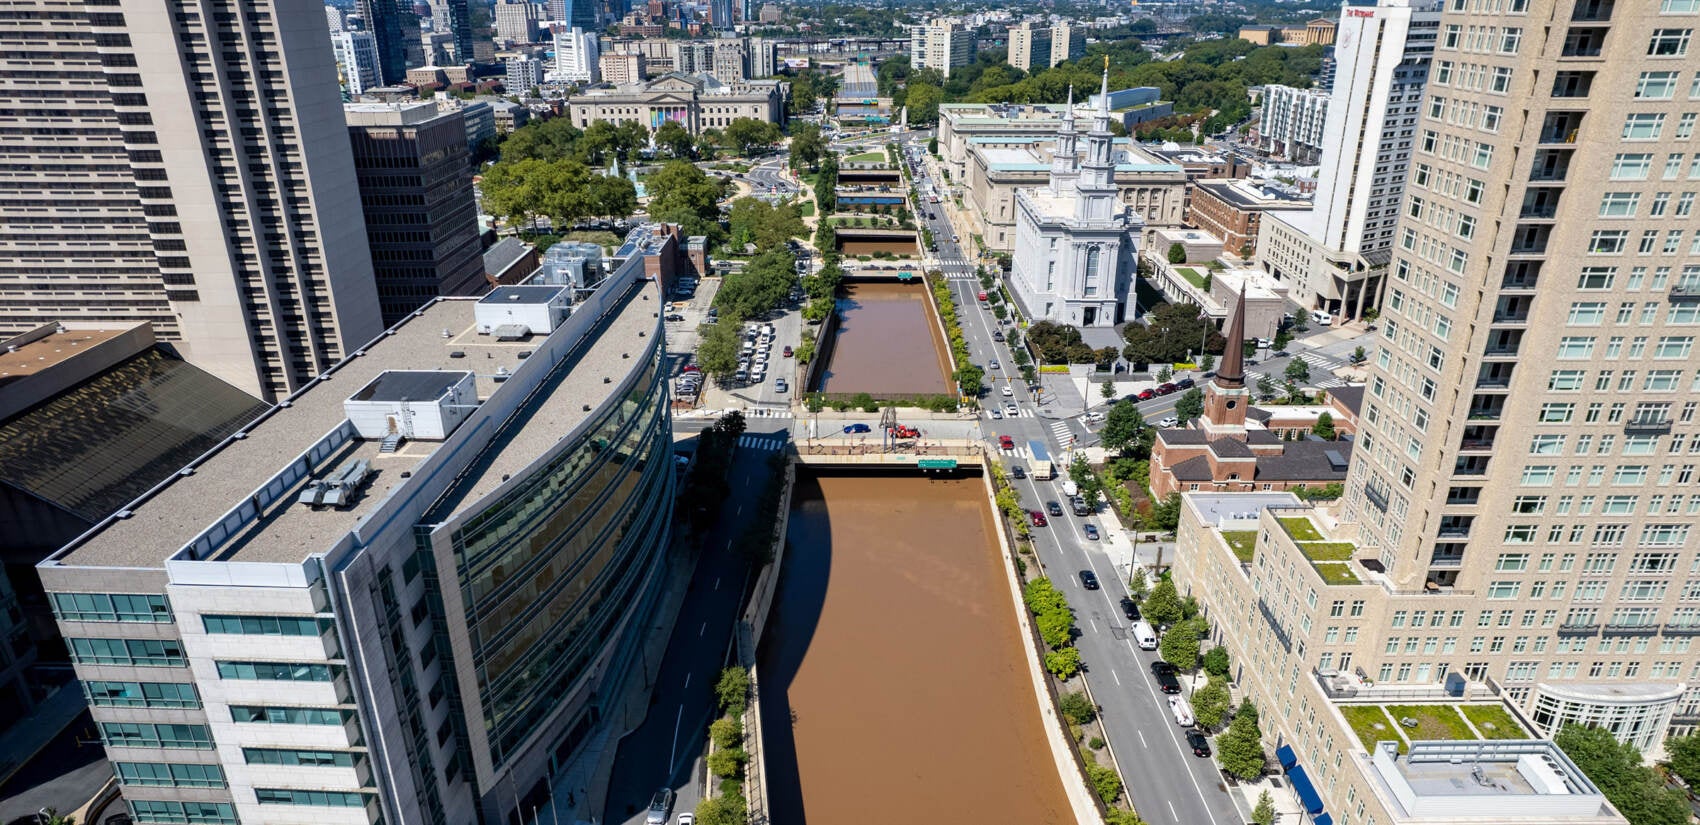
(727, 762)
(826, 186)
(1055, 622)
(564, 191)
(969, 376)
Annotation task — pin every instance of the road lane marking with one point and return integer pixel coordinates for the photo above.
(1115, 677)
(1172, 810)
(702, 630)
(1142, 741)
(687, 681)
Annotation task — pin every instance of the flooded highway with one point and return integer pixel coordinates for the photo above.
(888, 344)
(893, 683)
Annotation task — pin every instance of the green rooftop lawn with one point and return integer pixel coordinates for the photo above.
(1433, 722)
(1300, 528)
(867, 157)
(1243, 542)
(1371, 725)
(1328, 550)
(1493, 722)
(1191, 275)
(1334, 572)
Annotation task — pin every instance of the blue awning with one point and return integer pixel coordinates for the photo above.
(1323, 819)
(1287, 757)
(1306, 791)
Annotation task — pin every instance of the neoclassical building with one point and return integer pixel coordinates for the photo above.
(1074, 238)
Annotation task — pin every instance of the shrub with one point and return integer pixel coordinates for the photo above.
(1105, 781)
(1096, 744)
(1063, 663)
(727, 732)
(727, 763)
(1076, 708)
(733, 690)
(1216, 662)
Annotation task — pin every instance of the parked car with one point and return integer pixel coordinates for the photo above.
(687, 818)
(1078, 506)
(1146, 395)
(675, 317)
(659, 806)
(1091, 531)
(1165, 388)
(1130, 609)
(904, 431)
(1053, 508)
(690, 368)
(1199, 743)
(1089, 580)
(1017, 471)
(1037, 518)
(780, 385)
(1006, 443)
(1093, 417)
(1179, 708)
(1185, 384)
(857, 428)
(1165, 675)
(1169, 421)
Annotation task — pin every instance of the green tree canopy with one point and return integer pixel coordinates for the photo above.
(683, 194)
(1177, 253)
(1297, 371)
(764, 224)
(674, 139)
(806, 144)
(1217, 663)
(1163, 606)
(717, 348)
(1634, 789)
(1172, 331)
(747, 136)
(1240, 750)
(1210, 703)
(763, 285)
(1180, 644)
(1125, 430)
(1165, 514)
(1324, 427)
(922, 100)
(1190, 405)
(1683, 753)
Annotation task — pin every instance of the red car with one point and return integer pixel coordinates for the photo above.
(692, 368)
(982, 297)
(905, 431)
(1037, 517)
(1006, 443)
(787, 352)
(1165, 389)
(1147, 395)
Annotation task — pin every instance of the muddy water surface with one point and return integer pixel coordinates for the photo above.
(893, 684)
(887, 344)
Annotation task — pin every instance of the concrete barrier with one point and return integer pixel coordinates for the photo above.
(750, 627)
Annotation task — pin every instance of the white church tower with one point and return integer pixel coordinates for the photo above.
(1074, 239)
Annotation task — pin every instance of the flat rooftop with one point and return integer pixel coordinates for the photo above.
(54, 349)
(443, 337)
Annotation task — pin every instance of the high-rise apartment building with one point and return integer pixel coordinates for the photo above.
(1293, 122)
(944, 43)
(356, 61)
(521, 74)
(412, 163)
(1520, 512)
(336, 19)
(764, 56)
(731, 60)
(210, 188)
(577, 55)
(412, 595)
(456, 19)
(1335, 255)
(1029, 46)
(1068, 42)
(516, 21)
(383, 18)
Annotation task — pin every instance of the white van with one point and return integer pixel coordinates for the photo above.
(1070, 489)
(1321, 318)
(1144, 636)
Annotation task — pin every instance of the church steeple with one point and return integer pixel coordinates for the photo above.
(1226, 397)
(1065, 164)
(1097, 184)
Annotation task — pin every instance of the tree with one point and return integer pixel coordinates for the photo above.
(727, 732)
(1177, 253)
(1266, 386)
(1104, 781)
(1165, 514)
(1076, 708)
(1210, 704)
(1180, 645)
(683, 194)
(747, 136)
(727, 763)
(1080, 472)
(1297, 371)
(717, 351)
(673, 138)
(726, 809)
(806, 144)
(1240, 750)
(733, 690)
(754, 220)
(1190, 405)
(1122, 427)
(1164, 373)
(1324, 427)
(1683, 754)
(1171, 331)
(611, 196)
(1634, 789)
(1163, 606)
(1136, 585)
(922, 100)
(826, 189)
(1358, 356)
(1207, 363)
(1063, 663)
(1217, 663)
(1264, 813)
(971, 379)
(1107, 390)
(764, 284)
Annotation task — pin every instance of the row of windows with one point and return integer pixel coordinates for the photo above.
(286, 716)
(138, 652)
(262, 625)
(183, 813)
(143, 735)
(298, 758)
(111, 607)
(169, 774)
(275, 671)
(291, 796)
(141, 694)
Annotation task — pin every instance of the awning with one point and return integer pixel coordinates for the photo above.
(1323, 819)
(1287, 757)
(1306, 791)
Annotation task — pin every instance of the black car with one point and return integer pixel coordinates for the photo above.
(1198, 742)
(1017, 471)
(1053, 508)
(1089, 580)
(1165, 674)
(1185, 384)
(1282, 354)
(1130, 609)
(1078, 506)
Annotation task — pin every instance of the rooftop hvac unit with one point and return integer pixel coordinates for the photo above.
(339, 488)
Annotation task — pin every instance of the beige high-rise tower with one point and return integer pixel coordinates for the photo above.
(187, 165)
(1521, 508)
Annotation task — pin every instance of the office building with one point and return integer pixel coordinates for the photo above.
(720, 14)
(91, 417)
(1292, 122)
(412, 163)
(522, 74)
(944, 43)
(577, 55)
(696, 101)
(731, 60)
(1029, 46)
(622, 68)
(1335, 254)
(357, 62)
(178, 200)
(1524, 470)
(1075, 242)
(516, 21)
(999, 167)
(336, 19)
(383, 18)
(414, 594)
(764, 57)
(1068, 43)
(1234, 210)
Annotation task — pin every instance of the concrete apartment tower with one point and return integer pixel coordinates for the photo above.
(1029, 46)
(208, 185)
(1520, 511)
(1335, 255)
(944, 43)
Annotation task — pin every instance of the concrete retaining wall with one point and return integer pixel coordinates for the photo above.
(750, 627)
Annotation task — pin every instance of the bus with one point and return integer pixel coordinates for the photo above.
(1043, 469)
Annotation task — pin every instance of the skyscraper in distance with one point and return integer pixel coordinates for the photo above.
(384, 20)
(213, 195)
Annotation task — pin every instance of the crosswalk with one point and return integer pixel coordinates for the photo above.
(1022, 412)
(1318, 360)
(769, 412)
(958, 276)
(766, 442)
(1063, 434)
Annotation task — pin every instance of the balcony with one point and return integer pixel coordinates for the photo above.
(1521, 283)
(1454, 531)
(1681, 630)
(1578, 629)
(1550, 166)
(1377, 498)
(1647, 426)
(1492, 382)
(1592, 11)
(1476, 444)
(1539, 211)
(1561, 127)
(1500, 351)
(1684, 293)
(1584, 41)
(1630, 630)
(1446, 561)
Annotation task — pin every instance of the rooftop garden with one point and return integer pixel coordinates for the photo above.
(1380, 723)
(1335, 572)
(1330, 558)
(1242, 542)
(1493, 722)
(1371, 725)
(1300, 528)
(1191, 275)
(867, 157)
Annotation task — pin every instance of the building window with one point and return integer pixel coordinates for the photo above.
(111, 607)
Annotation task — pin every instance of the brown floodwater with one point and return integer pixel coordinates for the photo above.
(893, 684)
(887, 344)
